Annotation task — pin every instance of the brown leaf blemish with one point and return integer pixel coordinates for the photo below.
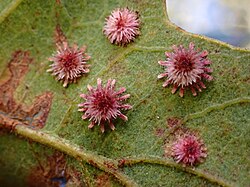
(58, 2)
(159, 132)
(59, 36)
(13, 113)
(53, 171)
(110, 165)
(173, 122)
(121, 163)
(92, 163)
(54, 167)
(103, 180)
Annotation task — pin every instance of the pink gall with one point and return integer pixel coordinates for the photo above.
(189, 150)
(186, 68)
(103, 104)
(69, 63)
(122, 26)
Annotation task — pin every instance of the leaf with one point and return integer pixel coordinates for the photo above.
(133, 154)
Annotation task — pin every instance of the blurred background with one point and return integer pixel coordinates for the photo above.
(225, 20)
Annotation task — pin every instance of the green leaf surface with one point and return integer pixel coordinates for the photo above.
(220, 114)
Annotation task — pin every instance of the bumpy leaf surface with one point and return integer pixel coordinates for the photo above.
(133, 154)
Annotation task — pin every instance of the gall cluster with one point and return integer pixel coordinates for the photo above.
(184, 69)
